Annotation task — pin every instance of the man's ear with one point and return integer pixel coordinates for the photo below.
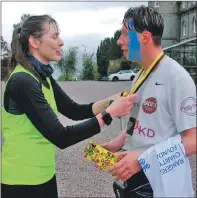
(145, 37)
(33, 42)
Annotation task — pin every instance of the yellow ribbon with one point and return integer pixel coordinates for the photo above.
(138, 83)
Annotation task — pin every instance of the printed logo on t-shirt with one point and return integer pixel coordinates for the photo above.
(149, 105)
(144, 131)
(139, 129)
(188, 106)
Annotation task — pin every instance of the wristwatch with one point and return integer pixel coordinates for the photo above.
(106, 117)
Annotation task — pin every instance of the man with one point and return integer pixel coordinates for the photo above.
(165, 108)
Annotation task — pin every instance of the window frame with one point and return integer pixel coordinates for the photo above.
(156, 4)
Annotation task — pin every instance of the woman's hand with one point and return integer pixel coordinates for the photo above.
(122, 106)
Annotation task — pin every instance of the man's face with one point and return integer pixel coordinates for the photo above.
(124, 40)
(132, 43)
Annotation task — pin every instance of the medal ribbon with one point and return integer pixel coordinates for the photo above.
(139, 83)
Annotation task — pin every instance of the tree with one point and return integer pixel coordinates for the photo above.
(114, 66)
(108, 50)
(4, 58)
(125, 64)
(4, 46)
(116, 51)
(103, 57)
(110, 58)
(89, 67)
(22, 20)
(122, 64)
(67, 64)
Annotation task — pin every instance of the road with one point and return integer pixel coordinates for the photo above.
(75, 176)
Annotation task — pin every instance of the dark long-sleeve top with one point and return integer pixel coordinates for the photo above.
(23, 95)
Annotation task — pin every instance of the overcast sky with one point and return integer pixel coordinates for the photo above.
(82, 24)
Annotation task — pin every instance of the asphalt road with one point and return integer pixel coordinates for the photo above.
(75, 176)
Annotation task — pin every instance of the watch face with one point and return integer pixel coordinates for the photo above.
(106, 118)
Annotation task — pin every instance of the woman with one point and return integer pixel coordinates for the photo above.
(31, 101)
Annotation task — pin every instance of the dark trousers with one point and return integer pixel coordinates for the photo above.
(46, 190)
(137, 186)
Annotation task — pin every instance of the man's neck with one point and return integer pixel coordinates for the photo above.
(148, 59)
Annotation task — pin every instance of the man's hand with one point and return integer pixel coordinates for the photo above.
(111, 146)
(103, 104)
(115, 96)
(117, 143)
(127, 166)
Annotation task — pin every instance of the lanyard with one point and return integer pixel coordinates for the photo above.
(138, 83)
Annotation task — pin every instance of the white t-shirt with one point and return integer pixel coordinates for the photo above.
(166, 106)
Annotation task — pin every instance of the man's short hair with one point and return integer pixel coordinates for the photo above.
(146, 18)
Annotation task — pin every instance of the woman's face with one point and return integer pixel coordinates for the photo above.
(48, 47)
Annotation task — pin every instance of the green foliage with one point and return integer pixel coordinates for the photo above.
(67, 64)
(116, 51)
(22, 20)
(89, 71)
(108, 50)
(110, 58)
(121, 64)
(62, 78)
(4, 46)
(125, 64)
(4, 58)
(114, 66)
(102, 57)
(96, 74)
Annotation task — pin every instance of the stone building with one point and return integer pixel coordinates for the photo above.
(179, 36)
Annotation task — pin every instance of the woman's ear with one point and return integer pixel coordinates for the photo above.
(33, 42)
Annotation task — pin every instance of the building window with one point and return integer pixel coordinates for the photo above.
(184, 28)
(194, 25)
(156, 4)
(183, 4)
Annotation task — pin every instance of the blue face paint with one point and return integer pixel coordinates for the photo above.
(133, 44)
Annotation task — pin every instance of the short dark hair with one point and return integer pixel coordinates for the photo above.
(146, 18)
(32, 26)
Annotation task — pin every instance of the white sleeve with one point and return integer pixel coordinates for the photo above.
(182, 101)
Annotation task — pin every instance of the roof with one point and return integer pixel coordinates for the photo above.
(181, 43)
